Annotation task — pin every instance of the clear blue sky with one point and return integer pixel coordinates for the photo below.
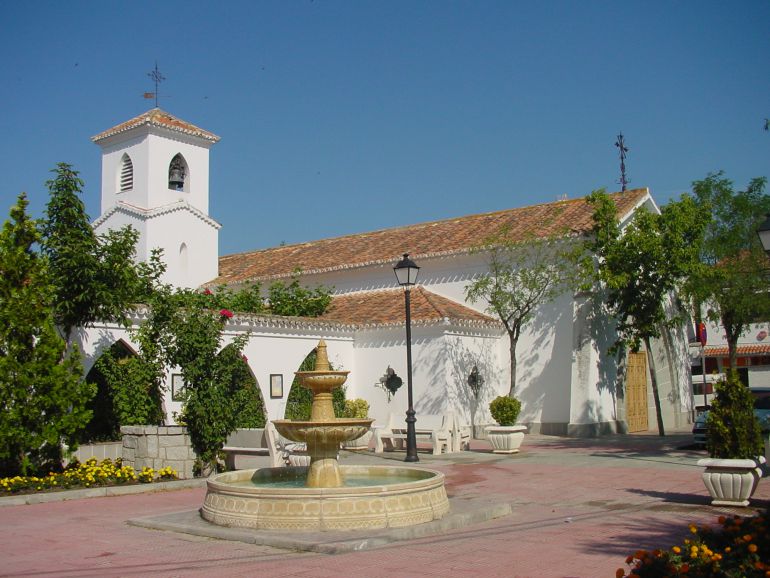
(341, 117)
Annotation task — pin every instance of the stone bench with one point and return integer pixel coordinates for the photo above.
(245, 443)
(432, 427)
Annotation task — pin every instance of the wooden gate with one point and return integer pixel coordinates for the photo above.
(636, 392)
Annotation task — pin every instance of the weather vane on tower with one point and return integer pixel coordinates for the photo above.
(157, 78)
(620, 143)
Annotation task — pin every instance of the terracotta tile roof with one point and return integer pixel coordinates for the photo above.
(158, 117)
(437, 238)
(386, 307)
(754, 349)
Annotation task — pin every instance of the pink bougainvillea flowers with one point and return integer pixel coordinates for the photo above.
(226, 313)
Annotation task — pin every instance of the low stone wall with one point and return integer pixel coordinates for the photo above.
(157, 447)
(100, 451)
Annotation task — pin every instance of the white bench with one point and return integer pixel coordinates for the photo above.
(461, 434)
(435, 428)
(285, 452)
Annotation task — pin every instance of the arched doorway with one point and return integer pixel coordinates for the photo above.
(248, 396)
(125, 394)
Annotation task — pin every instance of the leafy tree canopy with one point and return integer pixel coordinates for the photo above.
(44, 397)
(93, 278)
(733, 281)
(641, 266)
(522, 276)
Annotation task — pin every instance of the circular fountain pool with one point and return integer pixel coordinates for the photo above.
(372, 497)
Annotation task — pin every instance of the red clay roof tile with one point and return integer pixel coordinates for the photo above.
(446, 237)
(386, 307)
(754, 349)
(158, 117)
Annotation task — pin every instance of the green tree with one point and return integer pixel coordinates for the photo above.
(131, 386)
(44, 398)
(733, 283)
(522, 277)
(295, 300)
(640, 267)
(94, 278)
(213, 380)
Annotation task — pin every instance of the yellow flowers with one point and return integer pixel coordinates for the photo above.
(88, 474)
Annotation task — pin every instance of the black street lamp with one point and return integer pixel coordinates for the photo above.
(764, 235)
(406, 273)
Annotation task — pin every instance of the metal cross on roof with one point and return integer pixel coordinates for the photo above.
(623, 150)
(157, 78)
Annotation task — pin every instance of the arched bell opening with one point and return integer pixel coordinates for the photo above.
(178, 174)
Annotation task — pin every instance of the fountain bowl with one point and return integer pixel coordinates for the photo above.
(336, 431)
(260, 499)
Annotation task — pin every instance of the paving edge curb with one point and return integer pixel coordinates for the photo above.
(463, 513)
(100, 492)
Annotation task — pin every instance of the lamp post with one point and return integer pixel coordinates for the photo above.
(406, 272)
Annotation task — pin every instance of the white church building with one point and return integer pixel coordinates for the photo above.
(155, 177)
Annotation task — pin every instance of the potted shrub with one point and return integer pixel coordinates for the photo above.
(357, 409)
(734, 443)
(506, 437)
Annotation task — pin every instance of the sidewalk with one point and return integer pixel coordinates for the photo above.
(579, 507)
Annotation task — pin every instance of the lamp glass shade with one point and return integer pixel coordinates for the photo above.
(764, 235)
(406, 271)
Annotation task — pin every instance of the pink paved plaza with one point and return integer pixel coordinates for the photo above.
(579, 508)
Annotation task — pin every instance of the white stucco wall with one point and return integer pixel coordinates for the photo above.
(276, 346)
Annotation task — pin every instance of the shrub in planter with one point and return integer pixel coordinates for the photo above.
(734, 444)
(733, 429)
(356, 408)
(505, 410)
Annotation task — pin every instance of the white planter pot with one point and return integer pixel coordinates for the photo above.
(505, 439)
(731, 482)
(359, 444)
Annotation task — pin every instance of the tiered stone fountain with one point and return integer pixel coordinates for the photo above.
(325, 495)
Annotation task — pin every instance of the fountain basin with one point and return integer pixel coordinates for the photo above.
(258, 499)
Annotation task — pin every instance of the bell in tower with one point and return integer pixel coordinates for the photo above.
(176, 174)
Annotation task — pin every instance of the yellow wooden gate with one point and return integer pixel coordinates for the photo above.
(636, 392)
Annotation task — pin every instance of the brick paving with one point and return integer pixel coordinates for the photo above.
(579, 508)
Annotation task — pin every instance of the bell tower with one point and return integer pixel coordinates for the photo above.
(155, 177)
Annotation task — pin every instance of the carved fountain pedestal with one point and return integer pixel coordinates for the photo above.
(325, 495)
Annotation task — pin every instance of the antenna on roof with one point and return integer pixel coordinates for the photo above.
(620, 143)
(157, 78)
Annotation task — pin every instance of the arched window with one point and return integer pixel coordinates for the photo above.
(177, 173)
(126, 173)
(183, 260)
